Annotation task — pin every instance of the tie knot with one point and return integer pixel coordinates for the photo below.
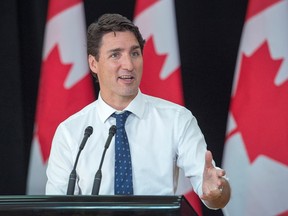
(121, 118)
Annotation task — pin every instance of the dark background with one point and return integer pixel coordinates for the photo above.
(209, 33)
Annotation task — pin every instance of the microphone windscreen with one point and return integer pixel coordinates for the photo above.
(88, 130)
(112, 130)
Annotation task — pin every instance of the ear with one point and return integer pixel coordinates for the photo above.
(92, 63)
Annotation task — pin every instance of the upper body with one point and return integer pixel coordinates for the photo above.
(115, 48)
(162, 137)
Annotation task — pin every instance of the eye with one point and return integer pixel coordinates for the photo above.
(135, 53)
(115, 55)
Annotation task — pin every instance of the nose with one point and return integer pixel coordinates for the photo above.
(127, 63)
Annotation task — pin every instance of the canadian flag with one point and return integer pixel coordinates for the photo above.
(65, 84)
(256, 148)
(162, 75)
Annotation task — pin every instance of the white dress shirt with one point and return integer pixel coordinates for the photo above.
(162, 136)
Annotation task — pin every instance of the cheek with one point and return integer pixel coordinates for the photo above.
(108, 73)
(139, 66)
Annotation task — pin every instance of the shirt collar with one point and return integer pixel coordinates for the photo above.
(136, 106)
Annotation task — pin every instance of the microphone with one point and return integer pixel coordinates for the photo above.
(98, 175)
(72, 177)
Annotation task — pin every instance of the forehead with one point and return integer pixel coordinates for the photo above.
(113, 40)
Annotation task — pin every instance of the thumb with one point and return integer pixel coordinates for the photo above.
(208, 160)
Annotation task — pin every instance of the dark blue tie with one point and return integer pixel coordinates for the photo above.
(123, 184)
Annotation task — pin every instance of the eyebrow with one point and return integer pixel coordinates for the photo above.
(121, 49)
(135, 47)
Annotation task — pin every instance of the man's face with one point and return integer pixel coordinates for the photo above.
(120, 66)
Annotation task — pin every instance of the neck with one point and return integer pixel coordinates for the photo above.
(118, 103)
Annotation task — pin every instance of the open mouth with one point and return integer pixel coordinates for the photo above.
(126, 77)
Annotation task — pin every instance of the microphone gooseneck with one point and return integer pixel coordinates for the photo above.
(98, 175)
(72, 177)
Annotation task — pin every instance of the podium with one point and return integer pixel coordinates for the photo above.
(96, 205)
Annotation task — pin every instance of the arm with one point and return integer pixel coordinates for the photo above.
(60, 163)
(216, 188)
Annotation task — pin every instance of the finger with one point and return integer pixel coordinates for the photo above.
(208, 160)
(220, 172)
(212, 194)
(220, 182)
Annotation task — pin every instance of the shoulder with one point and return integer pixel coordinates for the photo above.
(167, 108)
(73, 126)
(159, 103)
(81, 115)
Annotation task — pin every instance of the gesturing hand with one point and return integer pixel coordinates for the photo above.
(213, 181)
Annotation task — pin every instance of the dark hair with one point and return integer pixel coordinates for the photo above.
(109, 23)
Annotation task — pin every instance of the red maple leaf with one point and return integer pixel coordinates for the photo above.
(260, 107)
(169, 88)
(55, 102)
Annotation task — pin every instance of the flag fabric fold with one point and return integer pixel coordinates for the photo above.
(256, 149)
(161, 71)
(65, 83)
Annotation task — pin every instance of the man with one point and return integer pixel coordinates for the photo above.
(161, 136)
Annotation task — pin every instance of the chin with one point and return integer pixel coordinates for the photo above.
(130, 93)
